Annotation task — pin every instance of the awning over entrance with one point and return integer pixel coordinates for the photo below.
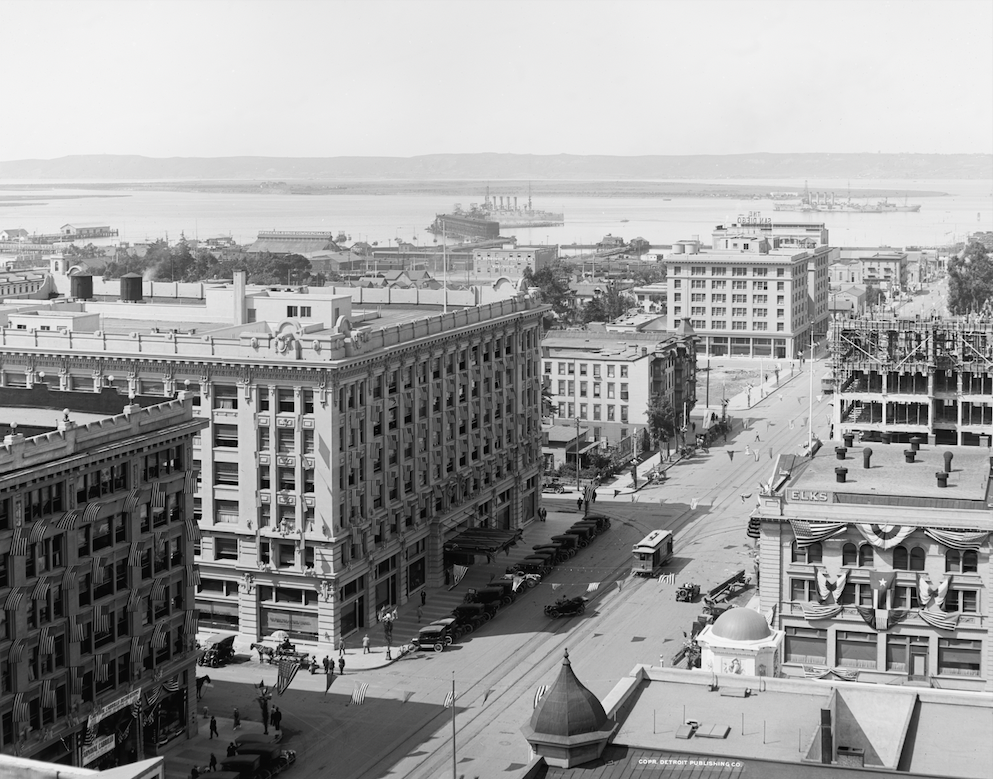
(481, 540)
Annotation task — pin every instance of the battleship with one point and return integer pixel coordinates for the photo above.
(826, 201)
(498, 212)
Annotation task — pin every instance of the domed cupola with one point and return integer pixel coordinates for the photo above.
(569, 726)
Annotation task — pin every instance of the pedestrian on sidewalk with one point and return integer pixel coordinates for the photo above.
(232, 749)
(213, 728)
(594, 497)
(579, 503)
(365, 645)
(424, 597)
(341, 647)
(327, 664)
(265, 720)
(213, 762)
(420, 613)
(313, 664)
(237, 719)
(757, 437)
(277, 718)
(341, 666)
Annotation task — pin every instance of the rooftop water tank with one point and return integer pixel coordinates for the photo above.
(131, 288)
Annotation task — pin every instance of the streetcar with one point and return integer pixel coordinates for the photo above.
(652, 552)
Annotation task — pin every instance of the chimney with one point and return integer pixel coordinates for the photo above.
(948, 461)
(840, 474)
(866, 457)
(942, 477)
(240, 303)
(827, 740)
(915, 443)
(840, 452)
(909, 455)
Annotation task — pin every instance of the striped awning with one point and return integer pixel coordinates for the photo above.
(134, 556)
(48, 693)
(159, 636)
(78, 672)
(195, 576)
(193, 529)
(171, 685)
(37, 532)
(21, 713)
(152, 696)
(19, 544)
(190, 482)
(134, 600)
(79, 628)
(132, 500)
(69, 520)
(91, 511)
(138, 652)
(46, 642)
(160, 589)
(158, 496)
(16, 652)
(102, 619)
(41, 588)
(103, 667)
(190, 619)
(14, 599)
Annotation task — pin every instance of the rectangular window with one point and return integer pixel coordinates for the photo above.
(719, 324)
(721, 284)
(226, 511)
(225, 548)
(285, 440)
(582, 389)
(225, 397)
(959, 657)
(739, 285)
(226, 435)
(739, 325)
(739, 271)
(806, 645)
(698, 311)
(285, 401)
(610, 413)
(698, 271)
(760, 285)
(698, 284)
(718, 270)
(719, 311)
(856, 650)
(760, 271)
(802, 590)
(610, 371)
(226, 473)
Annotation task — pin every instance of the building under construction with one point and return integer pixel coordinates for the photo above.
(900, 378)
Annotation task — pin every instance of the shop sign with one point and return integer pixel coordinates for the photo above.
(100, 746)
(127, 700)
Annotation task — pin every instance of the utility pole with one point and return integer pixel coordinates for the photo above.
(577, 457)
(810, 410)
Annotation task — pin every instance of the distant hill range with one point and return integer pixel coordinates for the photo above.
(494, 167)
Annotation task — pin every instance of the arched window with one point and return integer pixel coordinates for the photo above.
(953, 560)
(901, 559)
(849, 555)
(970, 561)
(866, 556)
(916, 559)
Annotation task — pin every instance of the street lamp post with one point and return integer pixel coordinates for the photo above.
(577, 457)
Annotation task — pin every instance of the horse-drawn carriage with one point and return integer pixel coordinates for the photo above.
(278, 647)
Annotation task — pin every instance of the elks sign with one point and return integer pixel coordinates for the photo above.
(808, 496)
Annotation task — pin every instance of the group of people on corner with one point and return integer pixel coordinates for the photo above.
(276, 717)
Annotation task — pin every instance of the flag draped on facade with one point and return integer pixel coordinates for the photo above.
(885, 536)
(813, 611)
(955, 539)
(808, 533)
(940, 619)
(458, 574)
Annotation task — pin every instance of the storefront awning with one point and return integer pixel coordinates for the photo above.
(482, 540)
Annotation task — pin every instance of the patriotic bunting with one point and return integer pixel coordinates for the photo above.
(812, 611)
(754, 528)
(458, 574)
(956, 539)
(927, 591)
(171, 686)
(885, 536)
(287, 669)
(37, 532)
(667, 578)
(827, 588)
(21, 712)
(450, 700)
(940, 619)
(358, 694)
(158, 496)
(823, 672)
(593, 586)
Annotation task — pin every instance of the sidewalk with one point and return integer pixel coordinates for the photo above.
(182, 754)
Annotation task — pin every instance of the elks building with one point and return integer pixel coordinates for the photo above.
(97, 577)
(875, 561)
(352, 432)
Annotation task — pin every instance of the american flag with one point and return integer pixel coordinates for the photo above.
(589, 492)
(287, 670)
(459, 572)
(358, 694)
(539, 694)
(450, 700)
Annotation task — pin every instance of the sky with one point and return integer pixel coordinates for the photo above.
(328, 78)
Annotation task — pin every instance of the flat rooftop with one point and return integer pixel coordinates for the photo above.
(891, 475)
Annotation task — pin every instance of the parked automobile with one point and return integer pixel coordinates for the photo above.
(550, 556)
(452, 633)
(522, 580)
(470, 616)
(602, 522)
(245, 765)
(532, 564)
(431, 637)
(585, 533)
(217, 650)
(592, 524)
(568, 542)
(557, 551)
(509, 596)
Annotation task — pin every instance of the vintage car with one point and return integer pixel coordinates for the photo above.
(592, 524)
(585, 534)
(246, 765)
(434, 637)
(687, 592)
(217, 650)
(550, 556)
(509, 594)
(566, 607)
(558, 552)
(450, 624)
(492, 598)
(568, 542)
(532, 564)
(522, 580)
(602, 522)
(469, 616)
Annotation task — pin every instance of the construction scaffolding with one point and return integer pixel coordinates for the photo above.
(900, 378)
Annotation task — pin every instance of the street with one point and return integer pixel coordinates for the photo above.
(402, 729)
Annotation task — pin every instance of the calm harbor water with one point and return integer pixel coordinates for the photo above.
(144, 214)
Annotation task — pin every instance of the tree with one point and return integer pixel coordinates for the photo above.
(607, 306)
(553, 281)
(874, 295)
(661, 419)
(970, 280)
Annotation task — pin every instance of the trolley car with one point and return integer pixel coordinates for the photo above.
(652, 552)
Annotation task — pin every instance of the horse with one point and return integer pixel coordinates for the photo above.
(266, 653)
(201, 680)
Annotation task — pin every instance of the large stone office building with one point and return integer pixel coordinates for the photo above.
(353, 432)
(97, 575)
